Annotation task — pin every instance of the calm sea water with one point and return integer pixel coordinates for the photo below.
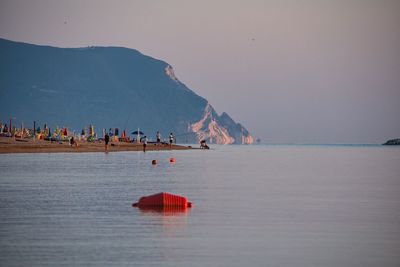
(253, 206)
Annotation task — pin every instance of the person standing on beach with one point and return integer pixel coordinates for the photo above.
(158, 136)
(171, 140)
(144, 140)
(71, 141)
(106, 140)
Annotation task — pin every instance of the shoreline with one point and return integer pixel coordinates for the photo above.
(11, 146)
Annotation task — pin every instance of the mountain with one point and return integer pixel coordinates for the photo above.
(109, 87)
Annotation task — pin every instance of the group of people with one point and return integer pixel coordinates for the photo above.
(144, 140)
(113, 134)
(203, 144)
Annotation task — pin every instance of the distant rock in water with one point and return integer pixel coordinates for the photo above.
(110, 87)
(392, 142)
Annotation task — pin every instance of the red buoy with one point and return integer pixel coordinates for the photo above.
(163, 200)
(172, 160)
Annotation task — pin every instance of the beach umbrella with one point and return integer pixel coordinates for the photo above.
(138, 132)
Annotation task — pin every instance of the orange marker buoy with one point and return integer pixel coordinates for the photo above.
(163, 199)
(172, 160)
(154, 162)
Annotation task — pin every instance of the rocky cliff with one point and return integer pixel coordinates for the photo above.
(220, 129)
(109, 87)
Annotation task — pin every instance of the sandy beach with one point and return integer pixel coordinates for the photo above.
(9, 145)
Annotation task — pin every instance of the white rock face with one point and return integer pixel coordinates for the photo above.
(143, 88)
(213, 128)
(209, 128)
(219, 134)
(170, 72)
(247, 140)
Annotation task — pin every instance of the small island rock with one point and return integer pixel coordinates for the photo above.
(392, 142)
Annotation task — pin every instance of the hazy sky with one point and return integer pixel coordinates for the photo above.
(290, 71)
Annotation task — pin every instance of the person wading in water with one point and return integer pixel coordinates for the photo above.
(158, 136)
(171, 140)
(144, 140)
(106, 140)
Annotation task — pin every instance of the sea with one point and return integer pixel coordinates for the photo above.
(260, 205)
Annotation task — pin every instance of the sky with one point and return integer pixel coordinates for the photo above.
(301, 71)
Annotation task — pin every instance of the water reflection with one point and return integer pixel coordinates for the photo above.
(164, 211)
(170, 222)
